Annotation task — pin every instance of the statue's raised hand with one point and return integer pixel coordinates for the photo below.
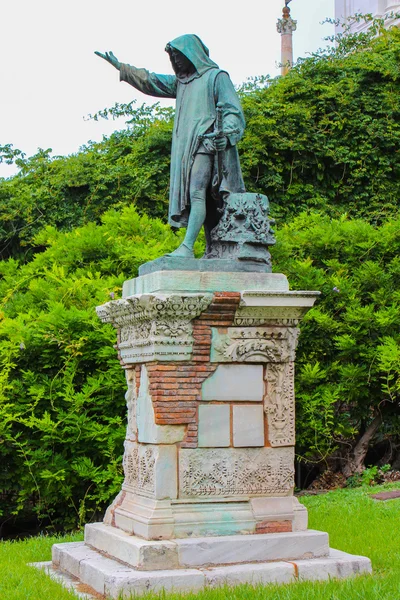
(111, 58)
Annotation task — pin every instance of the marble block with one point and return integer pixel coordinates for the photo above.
(248, 426)
(130, 549)
(213, 551)
(214, 426)
(148, 431)
(151, 470)
(193, 281)
(239, 383)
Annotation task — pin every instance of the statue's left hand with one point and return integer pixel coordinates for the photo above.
(109, 57)
(220, 143)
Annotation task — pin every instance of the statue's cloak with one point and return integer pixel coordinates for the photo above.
(196, 100)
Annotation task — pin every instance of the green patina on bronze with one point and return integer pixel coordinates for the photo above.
(206, 177)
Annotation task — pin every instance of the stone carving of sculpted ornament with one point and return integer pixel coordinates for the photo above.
(139, 468)
(253, 316)
(251, 344)
(131, 464)
(130, 397)
(208, 473)
(279, 404)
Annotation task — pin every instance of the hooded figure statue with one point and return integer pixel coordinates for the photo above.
(204, 158)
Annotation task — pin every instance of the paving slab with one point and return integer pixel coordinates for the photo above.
(386, 495)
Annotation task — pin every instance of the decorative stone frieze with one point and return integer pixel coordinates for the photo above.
(130, 398)
(254, 344)
(131, 464)
(208, 473)
(256, 317)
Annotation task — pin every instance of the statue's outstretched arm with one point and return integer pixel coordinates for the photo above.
(152, 84)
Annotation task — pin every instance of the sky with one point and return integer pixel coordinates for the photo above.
(50, 78)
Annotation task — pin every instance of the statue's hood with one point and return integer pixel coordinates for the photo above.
(193, 48)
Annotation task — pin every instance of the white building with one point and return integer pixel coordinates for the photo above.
(379, 8)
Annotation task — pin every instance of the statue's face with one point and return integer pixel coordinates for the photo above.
(180, 64)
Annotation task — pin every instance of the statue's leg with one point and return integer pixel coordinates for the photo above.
(199, 181)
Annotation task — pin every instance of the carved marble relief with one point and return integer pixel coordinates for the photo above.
(131, 399)
(252, 344)
(131, 464)
(147, 462)
(208, 473)
(150, 470)
(155, 327)
(244, 230)
(279, 403)
(139, 468)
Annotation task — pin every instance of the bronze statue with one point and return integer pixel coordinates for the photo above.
(208, 124)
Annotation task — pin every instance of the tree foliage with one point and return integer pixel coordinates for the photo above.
(67, 192)
(326, 136)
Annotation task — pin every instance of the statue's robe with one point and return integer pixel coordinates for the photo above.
(196, 100)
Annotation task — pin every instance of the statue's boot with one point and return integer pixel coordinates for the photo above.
(196, 219)
(182, 252)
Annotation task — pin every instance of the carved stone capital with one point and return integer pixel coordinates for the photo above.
(287, 25)
(154, 326)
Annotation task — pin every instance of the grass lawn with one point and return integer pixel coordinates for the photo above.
(355, 523)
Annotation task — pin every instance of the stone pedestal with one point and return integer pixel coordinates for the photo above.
(209, 450)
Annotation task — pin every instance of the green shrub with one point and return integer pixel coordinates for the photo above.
(348, 357)
(62, 409)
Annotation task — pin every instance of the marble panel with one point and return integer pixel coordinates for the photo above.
(148, 431)
(210, 473)
(248, 426)
(214, 426)
(234, 383)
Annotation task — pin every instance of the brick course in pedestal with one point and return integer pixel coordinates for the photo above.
(273, 527)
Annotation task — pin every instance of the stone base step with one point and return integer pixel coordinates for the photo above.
(210, 551)
(110, 577)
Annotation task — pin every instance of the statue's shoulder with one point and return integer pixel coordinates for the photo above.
(213, 74)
